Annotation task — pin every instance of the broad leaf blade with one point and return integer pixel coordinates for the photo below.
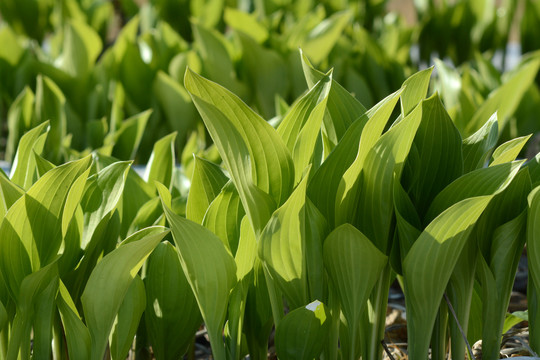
(172, 315)
(209, 268)
(113, 276)
(425, 281)
(302, 333)
(207, 181)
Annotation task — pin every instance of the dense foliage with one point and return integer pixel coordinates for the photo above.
(294, 207)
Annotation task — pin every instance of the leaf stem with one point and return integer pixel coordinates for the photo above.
(459, 325)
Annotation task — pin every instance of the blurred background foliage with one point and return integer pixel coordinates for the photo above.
(109, 74)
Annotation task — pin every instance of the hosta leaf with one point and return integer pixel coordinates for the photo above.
(323, 188)
(449, 82)
(128, 318)
(301, 125)
(302, 333)
(77, 334)
(258, 322)
(507, 97)
(533, 255)
(209, 268)
(172, 315)
(147, 215)
(246, 23)
(176, 103)
(384, 159)
(408, 226)
(238, 134)
(342, 108)
(508, 241)
(245, 260)
(440, 156)
(207, 181)
(299, 113)
(508, 151)
(425, 281)
(20, 117)
(216, 59)
(82, 46)
(23, 170)
(321, 39)
(101, 196)
(161, 164)
(415, 90)
(283, 246)
(266, 70)
(44, 309)
(266, 149)
(10, 194)
(32, 243)
(127, 138)
(224, 216)
(50, 105)
(35, 285)
(353, 264)
(480, 182)
(372, 131)
(112, 277)
(477, 147)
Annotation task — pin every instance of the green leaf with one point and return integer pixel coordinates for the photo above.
(207, 181)
(480, 182)
(10, 194)
(342, 108)
(249, 146)
(508, 240)
(50, 105)
(513, 319)
(77, 334)
(32, 228)
(425, 281)
(20, 118)
(34, 286)
(384, 159)
(408, 226)
(246, 23)
(81, 48)
(161, 164)
(477, 147)
(533, 239)
(301, 126)
(127, 320)
(318, 43)
(177, 106)
(216, 59)
(302, 333)
(172, 315)
(505, 98)
(324, 187)
(415, 90)
(508, 151)
(283, 246)
(354, 265)
(224, 216)
(101, 196)
(127, 138)
(267, 71)
(440, 155)
(209, 268)
(113, 276)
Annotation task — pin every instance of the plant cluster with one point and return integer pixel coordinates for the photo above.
(101, 76)
(300, 227)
